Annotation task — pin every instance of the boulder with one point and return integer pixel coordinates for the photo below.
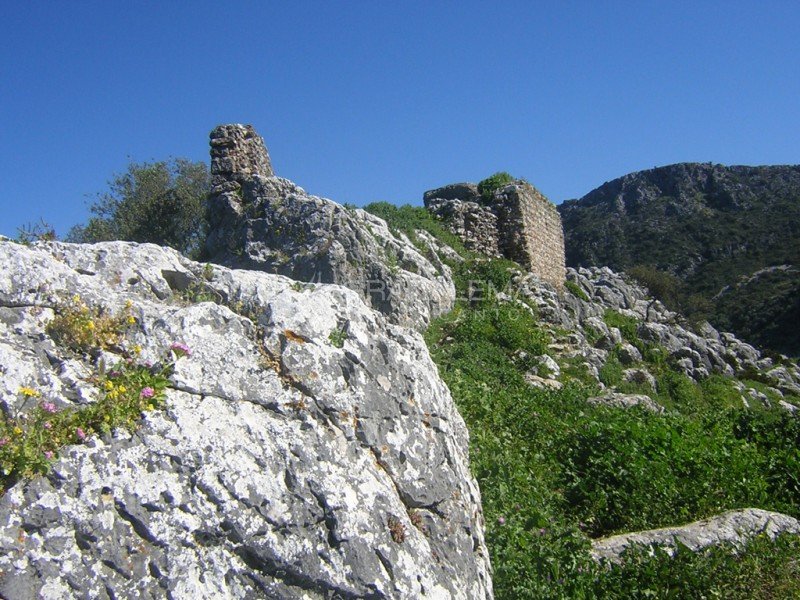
(619, 400)
(308, 448)
(734, 527)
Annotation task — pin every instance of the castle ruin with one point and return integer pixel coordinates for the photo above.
(518, 223)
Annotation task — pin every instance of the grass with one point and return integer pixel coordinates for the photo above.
(408, 219)
(555, 471)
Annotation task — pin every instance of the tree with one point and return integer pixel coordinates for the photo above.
(160, 202)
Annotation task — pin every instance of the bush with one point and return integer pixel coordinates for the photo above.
(488, 186)
(662, 285)
(162, 202)
(576, 290)
(763, 570)
(628, 470)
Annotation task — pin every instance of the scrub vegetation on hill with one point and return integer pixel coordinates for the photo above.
(556, 472)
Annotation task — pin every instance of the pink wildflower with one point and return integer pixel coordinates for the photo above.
(80, 433)
(3, 441)
(48, 425)
(147, 392)
(48, 454)
(501, 520)
(181, 349)
(49, 407)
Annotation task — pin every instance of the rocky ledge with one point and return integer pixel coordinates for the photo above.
(735, 527)
(267, 223)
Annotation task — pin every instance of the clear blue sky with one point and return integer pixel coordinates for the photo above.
(363, 101)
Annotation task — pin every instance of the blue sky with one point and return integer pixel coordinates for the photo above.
(364, 101)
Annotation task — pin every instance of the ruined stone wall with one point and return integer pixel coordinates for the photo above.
(237, 153)
(476, 225)
(544, 238)
(519, 224)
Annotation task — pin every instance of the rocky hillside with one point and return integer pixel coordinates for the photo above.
(426, 422)
(716, 228)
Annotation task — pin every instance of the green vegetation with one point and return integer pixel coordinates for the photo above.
(161, 202)
(408, 219)
(555, 471)
(766, 570)
(337, 337)
(576, 290)
(487, 187)
(40, 231)
(31, 438)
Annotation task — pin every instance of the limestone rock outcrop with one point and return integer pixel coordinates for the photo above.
(308, 448)
(734, 527)
(262, 222)
(519, 223)
(578, 315)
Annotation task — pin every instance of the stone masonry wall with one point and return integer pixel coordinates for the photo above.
(519, 224)
(542, 233)
(237, 153)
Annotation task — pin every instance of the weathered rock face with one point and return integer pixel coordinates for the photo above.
(519, 224)
(734, 527)
(308, 450)
(697, 352)
(266, 223)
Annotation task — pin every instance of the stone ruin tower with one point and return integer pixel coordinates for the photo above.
(267, 223)
(518, 223)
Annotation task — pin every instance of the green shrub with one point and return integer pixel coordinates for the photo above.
(488, 186)
(552, 468)
(480, 279)
(776, 435)
(628, 470)
(408, 219)
(662, 285)
(611, 372)
(763, 570)
(576, 290)
(337, 337)
(161, 202)
(627, 326)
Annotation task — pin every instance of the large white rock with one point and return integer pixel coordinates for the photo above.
(289, 463)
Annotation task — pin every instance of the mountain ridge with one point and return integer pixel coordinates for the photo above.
(723, 223)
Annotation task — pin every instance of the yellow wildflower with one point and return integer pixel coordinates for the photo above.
(137, 349)
(122, 389)
(17, 430)
(90, 326)
(108, 385)
(131, 319)
(76, 299)
(29, 392)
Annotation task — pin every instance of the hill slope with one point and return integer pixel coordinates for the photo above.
(712, 226)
